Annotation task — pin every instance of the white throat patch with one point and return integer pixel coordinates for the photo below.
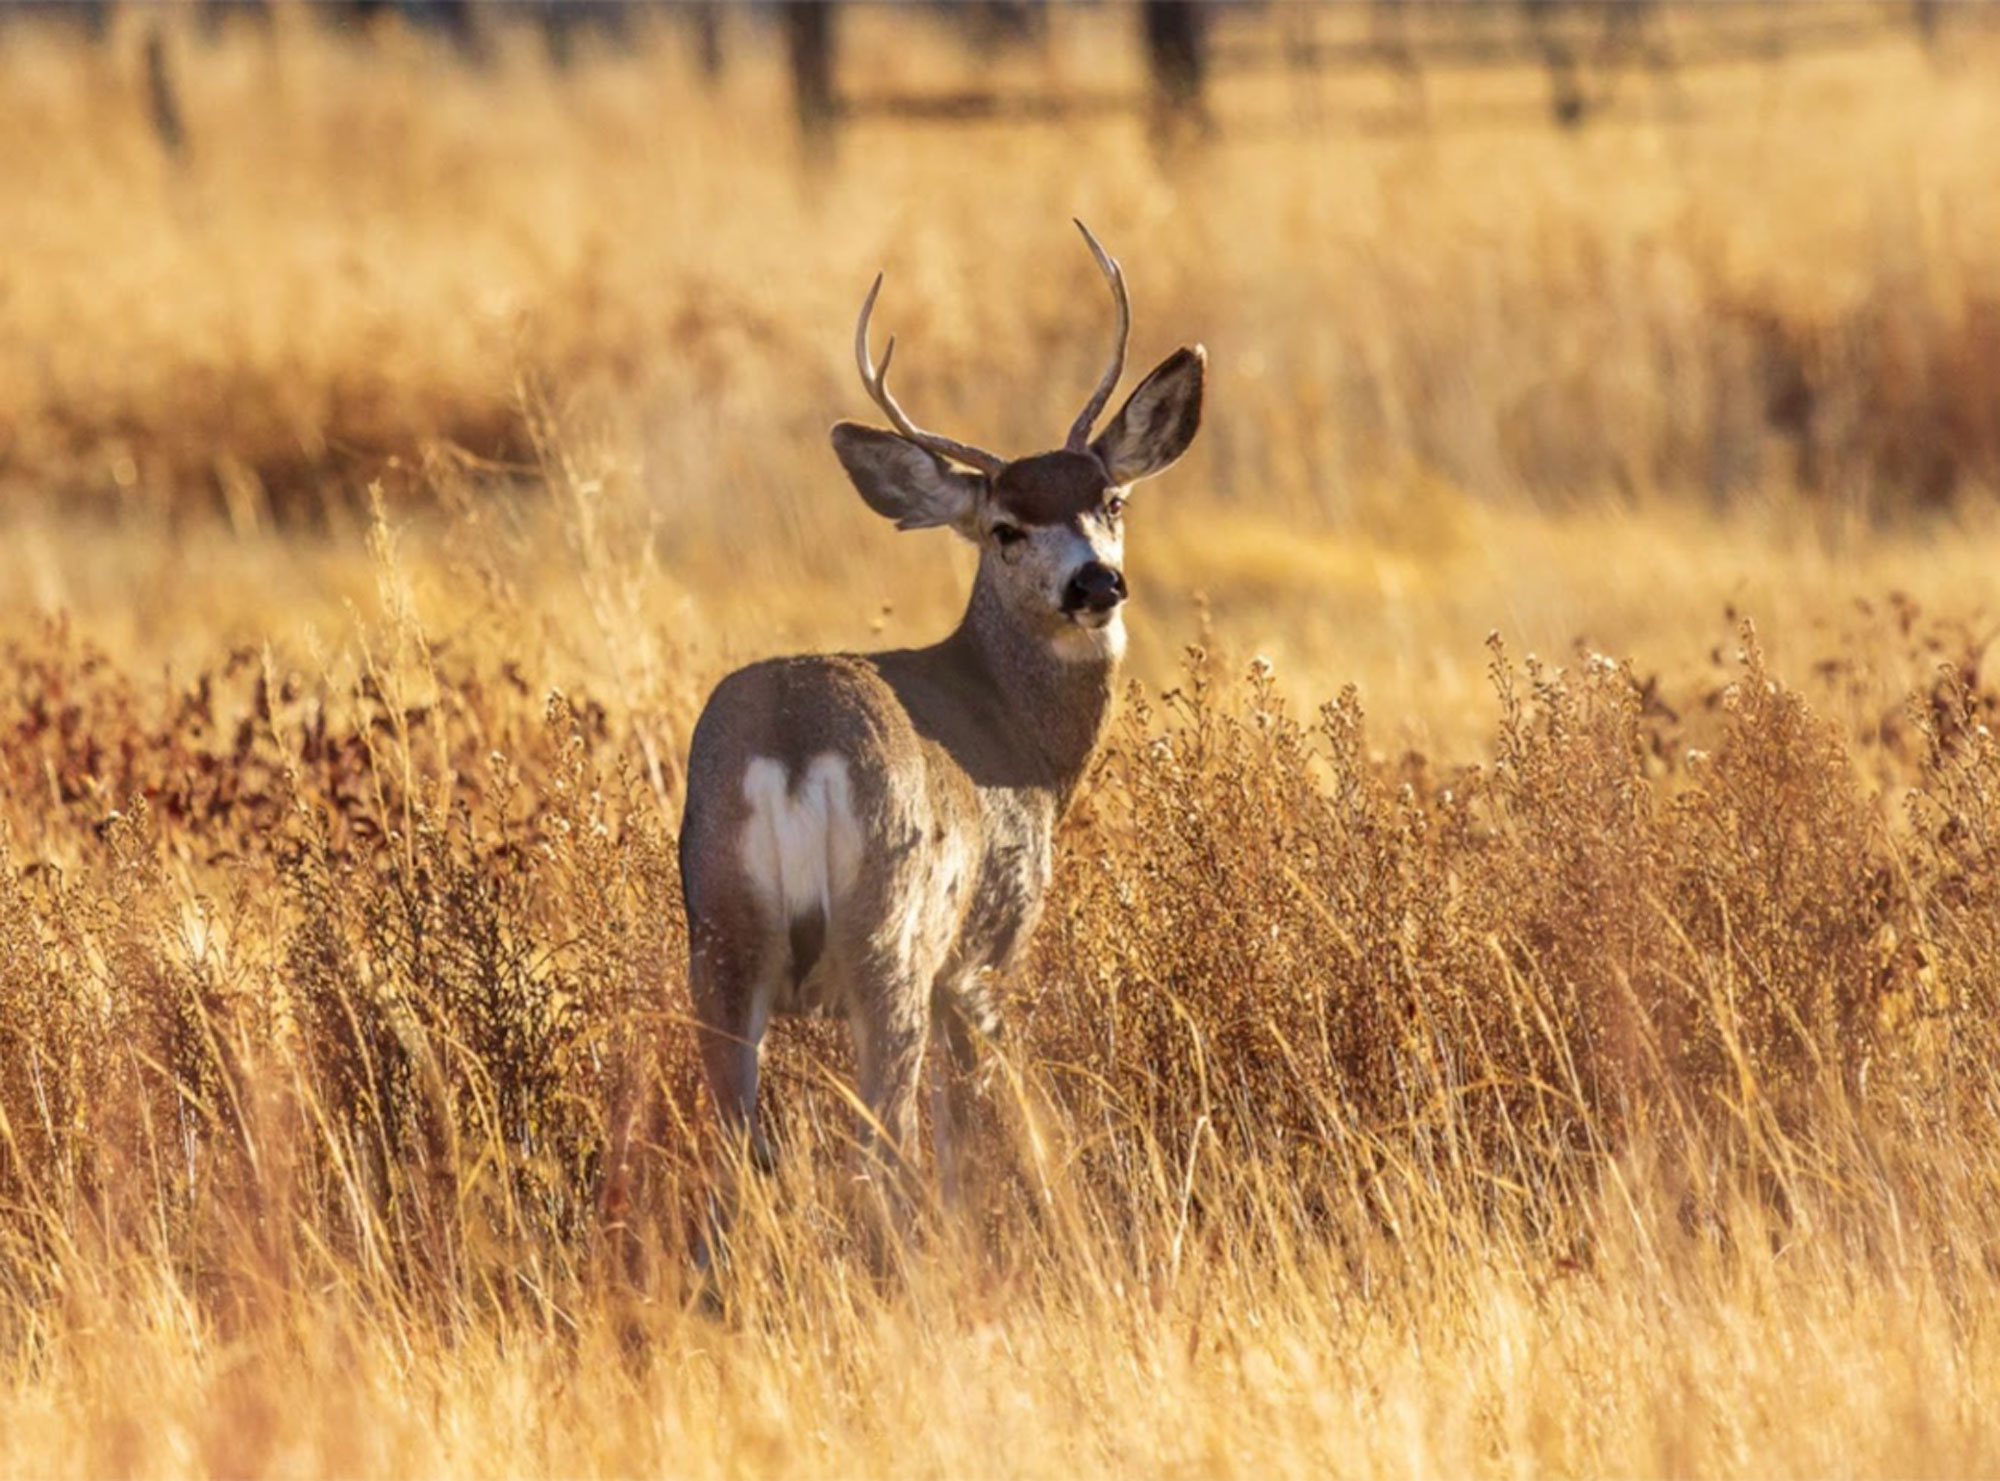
(1076, 643)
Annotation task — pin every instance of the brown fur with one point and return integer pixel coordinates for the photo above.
(1051, 488)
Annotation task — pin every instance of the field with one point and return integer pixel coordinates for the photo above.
(1522, 985)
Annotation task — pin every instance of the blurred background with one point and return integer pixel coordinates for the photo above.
(1600, 324)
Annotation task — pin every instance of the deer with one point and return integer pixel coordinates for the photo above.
(870, 835)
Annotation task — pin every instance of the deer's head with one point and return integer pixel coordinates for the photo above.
(1049, 527)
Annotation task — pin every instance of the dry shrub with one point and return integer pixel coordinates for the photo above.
(1263, 933)
(422, 1043)
(442, 1026)
(1943, 956)
(1783, 896)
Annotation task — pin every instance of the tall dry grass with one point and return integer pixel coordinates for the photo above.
(1511, 1065)
(1590, 1107)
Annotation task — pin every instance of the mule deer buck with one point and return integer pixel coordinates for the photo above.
(870, 835)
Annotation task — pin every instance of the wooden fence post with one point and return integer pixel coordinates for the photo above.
(1176, 41)
(809, 47)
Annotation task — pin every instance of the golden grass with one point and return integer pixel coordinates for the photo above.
(1580, 1071)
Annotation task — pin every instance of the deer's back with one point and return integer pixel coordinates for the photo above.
(833, 798)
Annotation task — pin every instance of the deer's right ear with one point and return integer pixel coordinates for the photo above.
(910, 484)
(1158, 421)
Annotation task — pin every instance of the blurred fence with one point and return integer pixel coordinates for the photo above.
(1183, 48)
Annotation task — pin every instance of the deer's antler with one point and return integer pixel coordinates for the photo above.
(1079, 432)
(875, 378)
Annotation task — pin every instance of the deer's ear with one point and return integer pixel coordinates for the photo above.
(911, 485)
(1158, 420)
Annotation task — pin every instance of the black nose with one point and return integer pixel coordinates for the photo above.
(1096, 587)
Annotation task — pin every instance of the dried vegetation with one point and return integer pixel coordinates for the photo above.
(1588, 1070)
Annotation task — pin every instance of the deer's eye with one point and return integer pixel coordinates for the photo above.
(1005, 535)
(1115, 505)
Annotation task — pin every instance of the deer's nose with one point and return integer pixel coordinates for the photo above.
(1095, 587)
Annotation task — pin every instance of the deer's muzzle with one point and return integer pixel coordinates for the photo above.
(1095, 588)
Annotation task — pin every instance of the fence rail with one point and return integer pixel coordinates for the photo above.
(1185, 47)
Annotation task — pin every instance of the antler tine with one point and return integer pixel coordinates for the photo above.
(876, 378)
(1079, 432)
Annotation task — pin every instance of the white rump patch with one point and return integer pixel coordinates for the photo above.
(802, 846)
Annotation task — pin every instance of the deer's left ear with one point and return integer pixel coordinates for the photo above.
(1158, 420)
(906, 482)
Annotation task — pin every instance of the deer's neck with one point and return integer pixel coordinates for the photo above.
(1056, 702)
